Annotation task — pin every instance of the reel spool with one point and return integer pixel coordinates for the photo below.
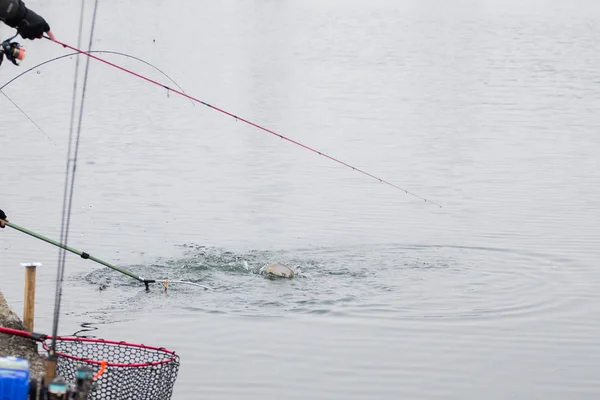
(13, 52)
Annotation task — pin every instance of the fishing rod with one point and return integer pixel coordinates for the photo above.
(237, 118)
(15, 53)
(87, 256)
(16, 45)
(93, 52)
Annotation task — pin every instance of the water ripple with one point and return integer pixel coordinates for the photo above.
(392, 281)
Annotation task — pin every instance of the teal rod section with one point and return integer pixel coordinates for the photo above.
(80, 253)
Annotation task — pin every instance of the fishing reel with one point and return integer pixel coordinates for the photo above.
(59, 389)
(13, 51)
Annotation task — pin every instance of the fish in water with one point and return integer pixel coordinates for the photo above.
(277, 271)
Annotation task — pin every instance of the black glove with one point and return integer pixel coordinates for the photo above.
(29, 25)
(2, 215)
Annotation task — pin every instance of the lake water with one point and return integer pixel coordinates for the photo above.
(489, 108)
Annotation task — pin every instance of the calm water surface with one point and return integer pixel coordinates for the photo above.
(486, 107)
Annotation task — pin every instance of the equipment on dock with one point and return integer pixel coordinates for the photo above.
(92, 369)
(14, 378)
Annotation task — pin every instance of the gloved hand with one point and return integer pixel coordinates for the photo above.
(29, 24)
(2, 219)
(32, 26)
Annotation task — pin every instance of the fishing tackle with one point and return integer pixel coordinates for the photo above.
(69, 55)
(58, 389)
(13, 51)
(238, 118)
(87, 256)
(15, 372)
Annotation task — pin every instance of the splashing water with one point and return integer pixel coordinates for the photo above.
(392, 281)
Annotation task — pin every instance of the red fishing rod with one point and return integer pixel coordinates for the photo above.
(241, 119)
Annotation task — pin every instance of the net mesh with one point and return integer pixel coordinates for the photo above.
(132, 371)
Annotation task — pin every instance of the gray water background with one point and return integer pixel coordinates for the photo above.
(487, 107)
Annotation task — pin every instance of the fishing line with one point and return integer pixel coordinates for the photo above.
(93, 52)
(63, 246)
(28, 117)
(77, 54)
(66, 214)
(237, 118)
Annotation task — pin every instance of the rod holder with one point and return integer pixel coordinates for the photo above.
(29, 304)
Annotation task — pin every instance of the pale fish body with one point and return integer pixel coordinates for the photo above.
(277, 271)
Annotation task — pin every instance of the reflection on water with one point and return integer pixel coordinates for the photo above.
(489, 108)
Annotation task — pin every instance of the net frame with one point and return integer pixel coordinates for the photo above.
(133, 371)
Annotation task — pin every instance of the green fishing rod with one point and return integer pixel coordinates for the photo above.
(87, 256)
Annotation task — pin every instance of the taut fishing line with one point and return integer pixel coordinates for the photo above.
(66, 214)
(67, 208)
(83, 254)
(28, 117)
(69, 55)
